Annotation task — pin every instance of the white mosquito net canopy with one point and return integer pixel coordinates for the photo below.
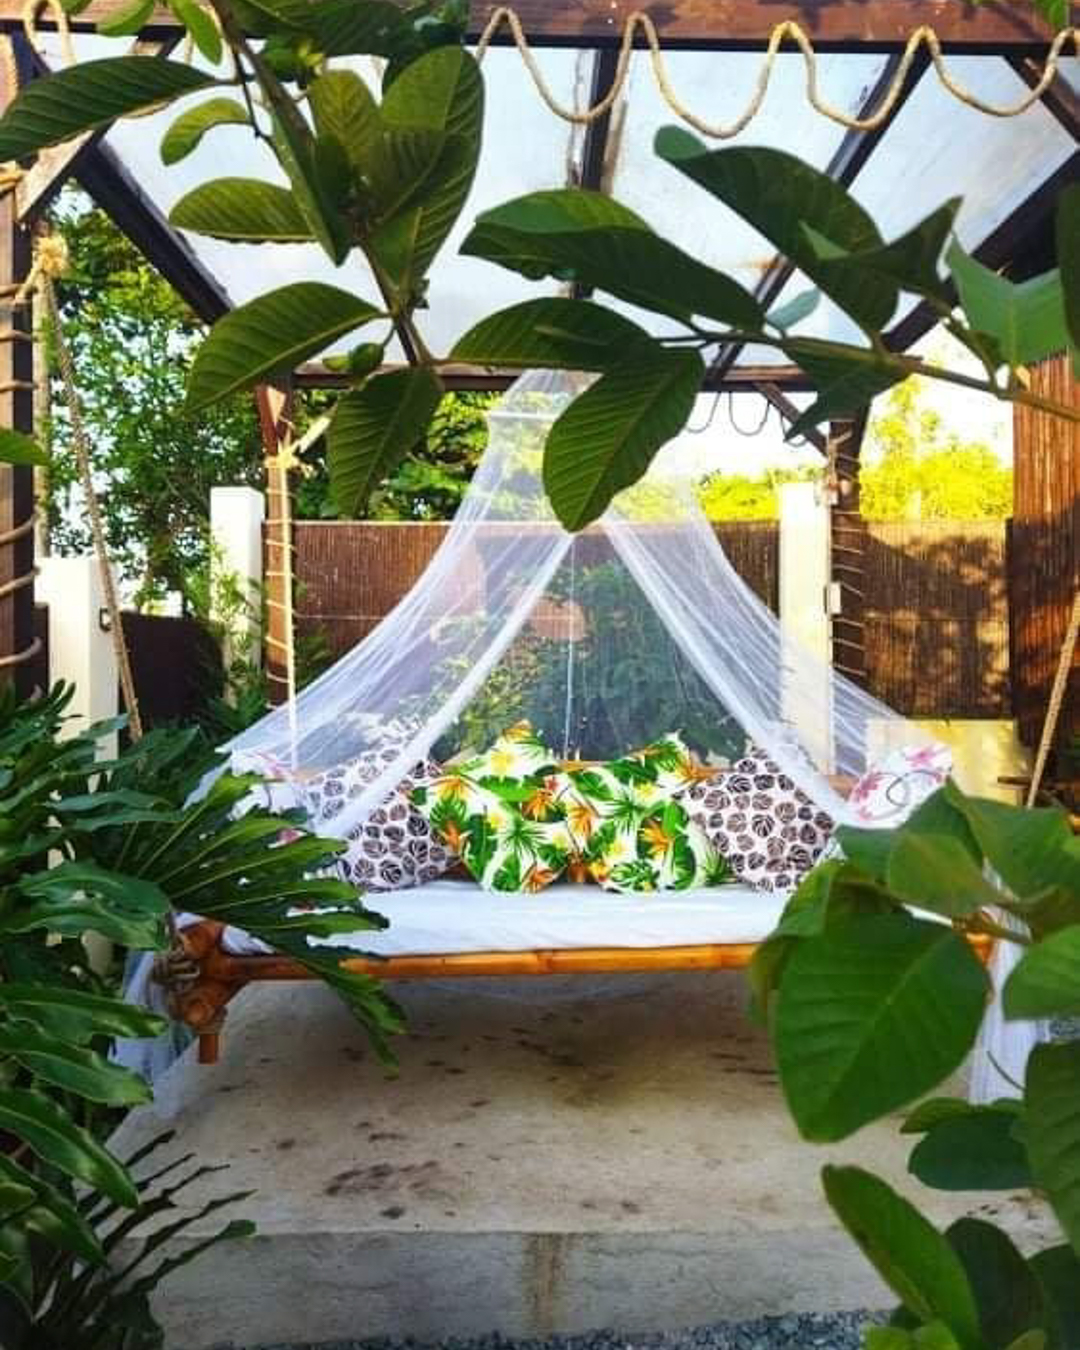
(604, 640)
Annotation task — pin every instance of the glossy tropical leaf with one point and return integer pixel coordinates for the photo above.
(1058, 1271)
(270, 335)
(90, 95)
(1030, 850)
(38, 1121)
(201, 28)
(73, 1068)
(586, 237)
(1006, 1291)
(1025, 319)
(343, 27)
(374, 428)
(15, 448)
(606, 438)
(1046, 983)
(75, 1015)
(295, 148)
(51, 1214)
(1067, 239)
(906, 1250)
(127, 19)
(1052, 1130)
(779, 195)
(847, 379)
(977, 1150)
(872, 1013)
(243, 210)
(75, 896)
(343, 108)
(911, 260)
(936, 872)
(553, 333)
(191, 126)
(441, 91)
(934, 1110)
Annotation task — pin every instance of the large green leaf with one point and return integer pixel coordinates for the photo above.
(201, 28)
(1025, 319)
(976, 1150)
(1052, 1130)
(1046, 983)
(15, 448)
(872, 1013)
(185, 134)
(907, 1251)
(297, 152)
(50, 1132)
(127, 19)
(374, 428)
(606, 438)
(75, 1015)
(937, 872)
(441, 91)
(574, 235)
(847, 379)
(409, 165)
(343, 108)
(244, 210)
(90, 95)
(911, 260)
(553, 333)
(1058, 1271)
(340, 27)
(1007, 1293)
(270, 335)
(75, 896)
(73, 1068)
(1030, 850)
(1067, 238)
(51, 1214)
(779, 195)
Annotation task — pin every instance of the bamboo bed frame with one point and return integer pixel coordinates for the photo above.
(211, 977)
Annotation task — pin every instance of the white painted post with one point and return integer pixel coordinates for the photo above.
(805, 622)
(80, 648)
(236, 568)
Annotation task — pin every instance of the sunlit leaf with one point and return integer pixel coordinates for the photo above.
(126, 19)
(185, 134)
(343, 107)
(872, 1013)
(374, 428)
(574, 235)
(1052, 1130)
(270, 335)
(90, 95)
(606, 439)
(41, 1123)
(553, 333)
(906, 1250)
(779, 194)
(201, 27)
(1026, 319)
(243, 210)
(15, 448)
(1030, 850)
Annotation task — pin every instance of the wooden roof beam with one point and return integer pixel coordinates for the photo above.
(481, 379)
(1058, 98)
(720, 25)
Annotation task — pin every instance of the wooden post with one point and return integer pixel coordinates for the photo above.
(274, 408)
(848, 542)
(18, 645)
(1044, 552)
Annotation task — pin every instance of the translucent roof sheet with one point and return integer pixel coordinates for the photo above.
(935, 149)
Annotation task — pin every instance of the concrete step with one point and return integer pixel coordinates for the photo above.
(555, 1155)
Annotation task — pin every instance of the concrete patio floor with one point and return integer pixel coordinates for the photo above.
(600, 1153)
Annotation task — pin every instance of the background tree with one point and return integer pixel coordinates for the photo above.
(131, 338)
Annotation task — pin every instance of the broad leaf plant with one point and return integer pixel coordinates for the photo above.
(381, 175)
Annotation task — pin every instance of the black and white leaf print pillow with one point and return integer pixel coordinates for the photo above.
(394, 847)
(767, 830)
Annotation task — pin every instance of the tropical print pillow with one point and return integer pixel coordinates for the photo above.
(626, 831)
(504, 847)
(520, 770)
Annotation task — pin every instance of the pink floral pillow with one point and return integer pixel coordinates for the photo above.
(894, 786)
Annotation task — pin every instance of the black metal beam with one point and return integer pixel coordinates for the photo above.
(595, 145)
(480, 379)
(844, 166)
(773, 394)
(1023, 245)
(114, 189)
(1058, 98)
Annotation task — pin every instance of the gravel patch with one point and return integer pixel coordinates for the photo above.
(792, 1331)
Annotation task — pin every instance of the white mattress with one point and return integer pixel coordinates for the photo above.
(449, 916)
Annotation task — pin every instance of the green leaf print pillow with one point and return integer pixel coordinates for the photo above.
(498, 812)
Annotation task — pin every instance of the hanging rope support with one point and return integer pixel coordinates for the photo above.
(1057, 700)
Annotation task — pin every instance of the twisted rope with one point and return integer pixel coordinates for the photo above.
(789, 30)
(1057, 700)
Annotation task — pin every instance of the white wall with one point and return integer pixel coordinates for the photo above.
(80, 648)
